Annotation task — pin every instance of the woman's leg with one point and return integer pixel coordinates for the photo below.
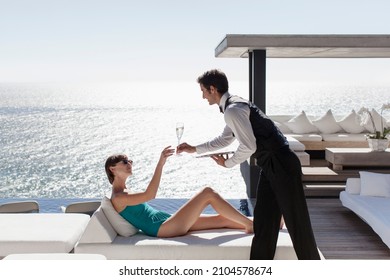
(215, 222)
(188, 216)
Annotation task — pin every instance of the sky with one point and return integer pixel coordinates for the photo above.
(173, 40)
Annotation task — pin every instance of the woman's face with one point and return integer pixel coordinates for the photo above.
(125, 166)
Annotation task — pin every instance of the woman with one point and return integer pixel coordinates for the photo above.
(134, 208)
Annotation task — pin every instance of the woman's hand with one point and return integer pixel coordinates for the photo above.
(184, 147)
(166, 153)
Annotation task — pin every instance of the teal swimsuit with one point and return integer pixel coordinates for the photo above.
(145, 217)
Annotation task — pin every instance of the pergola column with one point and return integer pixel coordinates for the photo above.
(257, 88)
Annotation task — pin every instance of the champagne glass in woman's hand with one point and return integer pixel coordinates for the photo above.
(179, 131)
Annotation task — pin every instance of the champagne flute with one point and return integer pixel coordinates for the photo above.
(179, 131)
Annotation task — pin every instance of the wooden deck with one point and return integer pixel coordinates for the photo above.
(341, 234)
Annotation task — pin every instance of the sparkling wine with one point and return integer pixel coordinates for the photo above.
(179, 131)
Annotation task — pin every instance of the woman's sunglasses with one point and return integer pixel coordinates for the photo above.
(126, 161)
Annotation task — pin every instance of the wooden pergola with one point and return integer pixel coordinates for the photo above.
(257, 48)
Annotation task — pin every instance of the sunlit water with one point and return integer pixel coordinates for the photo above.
(55, 138)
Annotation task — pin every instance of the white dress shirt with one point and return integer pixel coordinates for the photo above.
(237, 127)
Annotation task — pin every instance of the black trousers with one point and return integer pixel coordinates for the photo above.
(280, 192)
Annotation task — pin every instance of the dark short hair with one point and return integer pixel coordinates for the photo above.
(112, 161)
(215, 78)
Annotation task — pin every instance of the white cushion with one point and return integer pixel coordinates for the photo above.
(327, 123)
(121, 226)
(283, 128)
(55, 256)
(353, 186)
(214, 244)
(342, 137)
(294, 144)
(375, 184)
(307, 137)
(301, 124)
(350, 123)
(379, 121)
(99, 229)
(40, 232)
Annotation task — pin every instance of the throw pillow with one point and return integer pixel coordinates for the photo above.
(121, 226)
(301, 124)
(283, 128)
(327, 124)
(351, 124)
(374, 184)
(353, 185)
(378, 121)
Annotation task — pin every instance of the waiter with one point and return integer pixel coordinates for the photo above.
(279, 191)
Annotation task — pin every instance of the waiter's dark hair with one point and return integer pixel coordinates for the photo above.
(215, 78)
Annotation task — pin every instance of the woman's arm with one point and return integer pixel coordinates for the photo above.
(152, 188)
(121, 200)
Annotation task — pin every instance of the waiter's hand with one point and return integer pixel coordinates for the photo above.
(220, 160)
(184, 147)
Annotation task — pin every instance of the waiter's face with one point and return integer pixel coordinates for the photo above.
(211, 95)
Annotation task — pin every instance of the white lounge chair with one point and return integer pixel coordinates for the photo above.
(30, 206)
(40, 233)
(85, 207)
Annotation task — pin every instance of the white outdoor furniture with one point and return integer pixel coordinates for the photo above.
(340, 157)
(40, 233)
(100, 237)
(55, 256)
(327, 131)
(84, 207)
(30, 206)
(369, 197)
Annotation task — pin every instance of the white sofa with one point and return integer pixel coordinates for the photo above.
(299, 149)
(369, 197)
(101, 238)
(40, 233)
(327, 131)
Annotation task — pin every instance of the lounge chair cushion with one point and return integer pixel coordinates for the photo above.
(99, 229)
(121, 226)
(40, 233)
(205, 244)
(375, 184)
(55, 256)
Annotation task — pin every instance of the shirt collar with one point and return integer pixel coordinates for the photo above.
(222, 101)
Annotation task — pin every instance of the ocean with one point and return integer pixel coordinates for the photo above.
(55, 138)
